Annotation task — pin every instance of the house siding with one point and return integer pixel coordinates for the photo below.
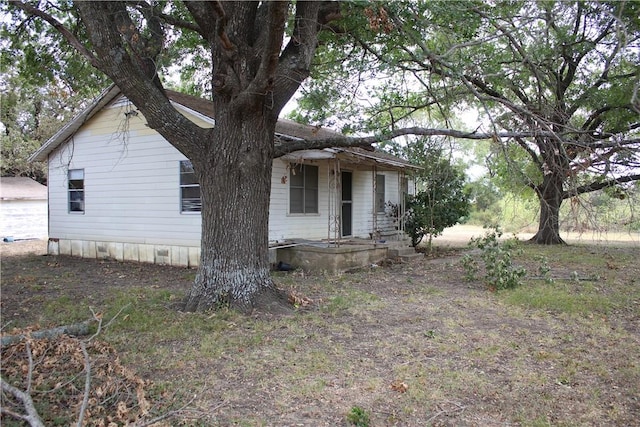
(285, 226)
(131, 181)
(282, 224)
(132, 196)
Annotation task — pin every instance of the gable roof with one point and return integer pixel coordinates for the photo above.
(21, 188)
(284, 127)
(71, 127)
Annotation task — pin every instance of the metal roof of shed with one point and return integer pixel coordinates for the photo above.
(21, 188)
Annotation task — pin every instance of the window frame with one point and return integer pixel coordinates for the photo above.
(192, 183)
(306, 187)
(76, 190)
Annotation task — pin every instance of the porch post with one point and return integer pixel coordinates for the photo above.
(374, 234)
(334, 202)
(400, 204)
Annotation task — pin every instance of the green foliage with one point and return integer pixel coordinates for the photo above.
(43, 82)
(613, 209)
(566, 67)
(544, 270)
(500, 273)
(441, 200)
(484, 198)
(358, 416)
(28, 117)
(38, 56)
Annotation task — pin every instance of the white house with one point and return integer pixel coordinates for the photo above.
(118, 189)
(23, 209)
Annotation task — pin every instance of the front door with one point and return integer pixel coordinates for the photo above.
(346, 217)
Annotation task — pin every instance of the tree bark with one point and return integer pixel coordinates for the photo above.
(235, 185)
(550, 197)
(253, 78)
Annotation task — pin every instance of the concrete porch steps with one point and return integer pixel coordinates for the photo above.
(404, 253)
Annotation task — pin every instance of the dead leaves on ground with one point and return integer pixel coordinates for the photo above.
(299, 300)
(399, 386)
(57, 371)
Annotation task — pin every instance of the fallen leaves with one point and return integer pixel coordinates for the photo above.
(55, 379)
(399, 386)
(299, 300)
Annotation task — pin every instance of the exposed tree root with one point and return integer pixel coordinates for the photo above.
(269, 300)
(547, 239)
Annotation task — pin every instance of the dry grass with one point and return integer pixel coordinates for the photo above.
(411, 344)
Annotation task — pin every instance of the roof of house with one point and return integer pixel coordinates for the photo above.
(284, 127)
(21, 188)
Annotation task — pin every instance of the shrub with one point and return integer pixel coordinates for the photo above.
(500, 273)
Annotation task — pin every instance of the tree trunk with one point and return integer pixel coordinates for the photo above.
(235, 183)
(550, 197)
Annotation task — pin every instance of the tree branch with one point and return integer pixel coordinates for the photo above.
(290, 145)
(270, 52)
(595, 186)
(206, 17)
(87, 384)
(81, 328)
(64, 31)
(32, 416)
(296, 57)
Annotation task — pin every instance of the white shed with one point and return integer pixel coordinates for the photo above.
(23, 209)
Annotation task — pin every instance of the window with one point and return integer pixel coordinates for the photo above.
(189, 189)
(380, 197)
(303, 189)
(76, 190)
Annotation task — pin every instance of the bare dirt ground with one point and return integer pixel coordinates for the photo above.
(459, 235)
(412, 344)
(23, 247)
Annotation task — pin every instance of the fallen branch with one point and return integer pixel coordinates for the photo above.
(30, 368)
(76, 329)
(444, 411)
(31, 416)
(98, 318)
(103, 373)
(87, 384)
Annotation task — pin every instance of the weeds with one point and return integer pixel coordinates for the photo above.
(358, 416)
(567, 349)
(500, 273)
(544, 270)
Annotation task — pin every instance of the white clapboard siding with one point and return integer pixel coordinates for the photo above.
(131, 182)
(285, 226)
(363, 203)
(132, 192)
(282, 224)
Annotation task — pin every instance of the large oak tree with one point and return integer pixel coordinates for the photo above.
(256, 56)
(556, 82)
(260, 52)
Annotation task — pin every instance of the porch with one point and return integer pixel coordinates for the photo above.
(336, 257)
(364, 200)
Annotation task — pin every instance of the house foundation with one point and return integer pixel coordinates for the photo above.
(179, 256)
(322, 259)
(313, 257)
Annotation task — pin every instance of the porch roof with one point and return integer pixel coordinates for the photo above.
(352, 156)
